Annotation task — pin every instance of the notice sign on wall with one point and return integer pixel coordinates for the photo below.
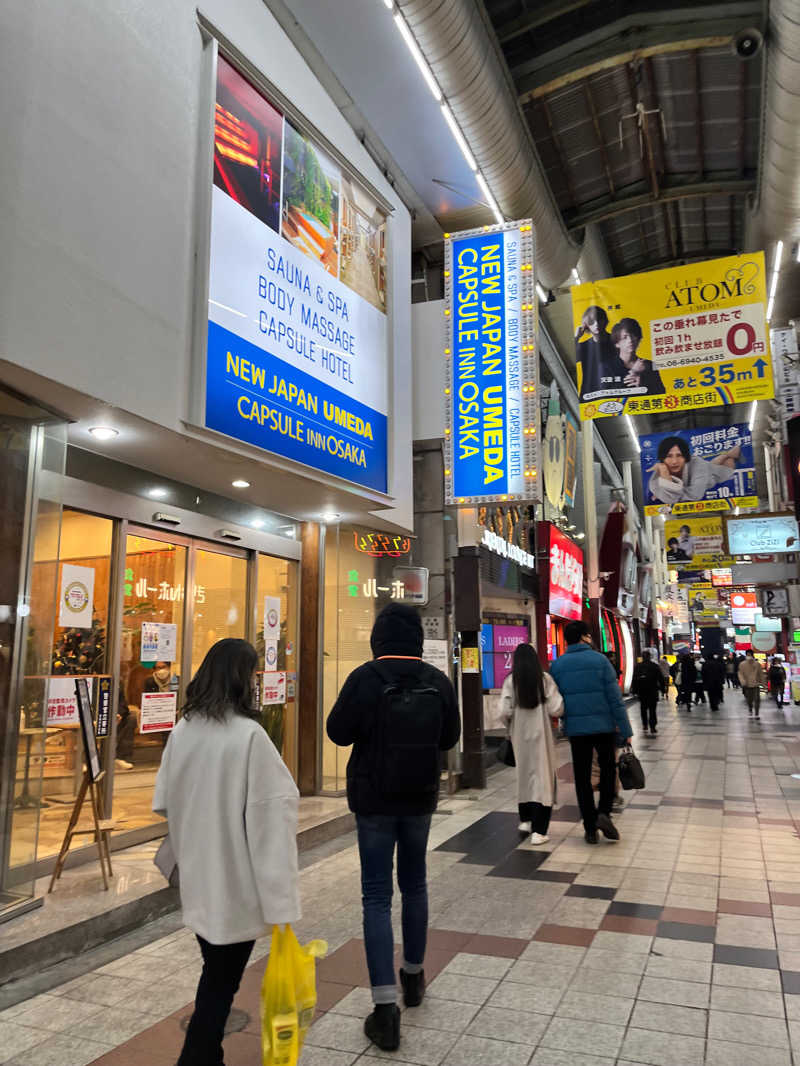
(679, 339)
(62, 703)
(159, 642)
(273, 688)
(491, 435)
(158, 712)
(297, 325)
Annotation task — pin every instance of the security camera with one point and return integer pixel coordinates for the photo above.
(747, 43)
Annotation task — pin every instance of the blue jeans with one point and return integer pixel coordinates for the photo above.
(377, 836)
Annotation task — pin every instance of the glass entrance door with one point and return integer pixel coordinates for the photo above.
(219, 600)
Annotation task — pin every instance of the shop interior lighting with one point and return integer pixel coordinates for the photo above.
(258, 523)
(240, 483)
(776, 273)
(331, 516)
(157, 493)
(632, 432)
(460, 139)
(419, 58)
(752, 420)
(104, 432)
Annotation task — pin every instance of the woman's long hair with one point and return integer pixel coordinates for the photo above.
(224, 681)
(528, 677)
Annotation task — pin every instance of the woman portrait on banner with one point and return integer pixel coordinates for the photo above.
(677, 475)
(626, 336)
(601, 367)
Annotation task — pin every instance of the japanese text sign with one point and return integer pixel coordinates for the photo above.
(696, 543)
(566, 576)
(679, 339)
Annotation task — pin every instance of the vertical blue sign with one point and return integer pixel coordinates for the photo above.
(480, 457)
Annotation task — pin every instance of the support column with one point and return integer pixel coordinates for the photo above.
(309, 676)
(592, 559)
(467, 611)
(769, 465)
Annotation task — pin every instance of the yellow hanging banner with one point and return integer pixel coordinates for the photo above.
(673, 340)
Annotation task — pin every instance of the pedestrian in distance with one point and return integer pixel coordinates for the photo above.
(751, 678)
(594, 715)
(777, 680)
(647, 683)
(231, 805)
(399, 713)
(688, 681)
(730, 671)
(666, 675)
(699, 687)
(713, 674)
(529, 701)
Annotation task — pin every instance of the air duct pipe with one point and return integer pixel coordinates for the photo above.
(777, 214)
(460, 47)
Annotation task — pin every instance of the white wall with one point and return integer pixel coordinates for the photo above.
(427, 346)
(99, 110)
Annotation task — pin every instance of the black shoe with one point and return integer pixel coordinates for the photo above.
(654, 732)
(590, 836)
(383, 1026)
(607, 827)
(413, 987)
(617, 803)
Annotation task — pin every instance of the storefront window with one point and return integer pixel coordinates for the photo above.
(71, 566)
(277, 590)
(219, 600)
(154, 591)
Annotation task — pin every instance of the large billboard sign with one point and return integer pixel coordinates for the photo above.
(695, 543)
(297, 328)
(491, 387)
(694, 470)
(565, 575)
(673, 340)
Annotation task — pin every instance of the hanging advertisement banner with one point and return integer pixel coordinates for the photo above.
(696, 543)
(492, 409)
(554, 460)
(695, 470)
(570, 460)
(296, 360)
(679, 339)
(76, 601)
(768, 534)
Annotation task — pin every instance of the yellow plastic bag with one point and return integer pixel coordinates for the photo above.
(288, 996)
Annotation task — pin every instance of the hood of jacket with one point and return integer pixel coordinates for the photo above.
(397, 631)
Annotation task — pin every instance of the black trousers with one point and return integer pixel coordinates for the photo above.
(223, 966)
(537, 814)
(647, 705)
(715, 695)
(582, 748)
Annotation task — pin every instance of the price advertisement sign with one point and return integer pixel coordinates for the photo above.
(696, 543)
(273, 688)
(673, 340)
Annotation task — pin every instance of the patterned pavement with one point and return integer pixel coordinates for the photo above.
(680, 945)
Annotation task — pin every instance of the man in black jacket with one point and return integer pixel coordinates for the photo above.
(713, 674)
(399, 713)
(647, 683)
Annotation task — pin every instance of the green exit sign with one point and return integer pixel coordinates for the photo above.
(796, 637)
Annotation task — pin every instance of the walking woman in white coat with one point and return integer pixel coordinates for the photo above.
(231, 805)
(529, 699)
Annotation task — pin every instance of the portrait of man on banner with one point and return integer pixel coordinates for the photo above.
(609, 361)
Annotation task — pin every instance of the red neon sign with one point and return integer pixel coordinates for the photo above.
(382, 545)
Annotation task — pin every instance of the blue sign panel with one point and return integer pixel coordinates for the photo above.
(258, 398)
(487, 655)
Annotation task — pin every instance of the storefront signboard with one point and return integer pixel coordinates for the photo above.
(777, 534)
(775, 602)
(437, 653)
(566, 577)
(159, 642)
(505, 641)
(62, 703)
(158, 712)
(76, 599)
(674, 340)
(693, 470)
(507, 550)
(415, 582)
(696, 543)
(273, 688)
(763, 641)
(297, 352)
(381, 545)
(722, 578)
(272, 617)
(744, 608)
(492, 400)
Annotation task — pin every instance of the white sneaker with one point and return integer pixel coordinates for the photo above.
(538, 838)
(121, 764)
(524, 827)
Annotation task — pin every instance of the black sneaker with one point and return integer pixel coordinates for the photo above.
(607, 827)
(383, 1026)
(413, 987)
(590, 836)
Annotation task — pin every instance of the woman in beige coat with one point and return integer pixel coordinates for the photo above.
(529, 700)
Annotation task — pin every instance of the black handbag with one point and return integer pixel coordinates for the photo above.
(505, 752)
(631, 774)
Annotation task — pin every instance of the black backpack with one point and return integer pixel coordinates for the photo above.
(406, 759)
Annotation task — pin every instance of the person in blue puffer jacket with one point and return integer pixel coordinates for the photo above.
(594, 715)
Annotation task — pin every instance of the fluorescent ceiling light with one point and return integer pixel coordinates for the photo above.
(753, 410)
(576, 276)
(258, 523)
(104, 432)
(389, 4)
(459, 136)
(541, 293)
(331, 516)
(419, 58)
(490, 200)
(240, 483)
(769, 307)
(157, 493)
(778, 256)
(632, 432)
